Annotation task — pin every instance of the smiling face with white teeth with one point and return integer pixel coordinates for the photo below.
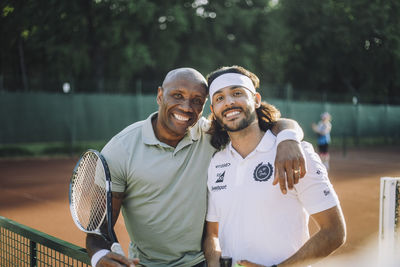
(181, 100)
(234, 107)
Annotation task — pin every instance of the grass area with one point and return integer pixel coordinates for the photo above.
(48, 149)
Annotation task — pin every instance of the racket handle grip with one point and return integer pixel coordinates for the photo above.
(116, 247)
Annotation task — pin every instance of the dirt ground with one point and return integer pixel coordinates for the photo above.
(34, 192)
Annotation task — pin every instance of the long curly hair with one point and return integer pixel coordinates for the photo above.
(267, 114)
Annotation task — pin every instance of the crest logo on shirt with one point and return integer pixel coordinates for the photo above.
(327, 192)
(220, 177)
(263, 172)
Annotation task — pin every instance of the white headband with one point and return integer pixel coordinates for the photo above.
(231, 79)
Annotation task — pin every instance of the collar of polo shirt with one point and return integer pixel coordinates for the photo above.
(231, 79)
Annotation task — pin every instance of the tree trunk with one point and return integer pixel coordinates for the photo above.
(22, 64)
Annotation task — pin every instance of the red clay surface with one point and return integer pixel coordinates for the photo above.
(34, 192)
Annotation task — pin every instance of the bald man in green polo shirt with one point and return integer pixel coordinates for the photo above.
(159, 172)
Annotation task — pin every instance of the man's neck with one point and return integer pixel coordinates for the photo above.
(246, 140)
(164, 136)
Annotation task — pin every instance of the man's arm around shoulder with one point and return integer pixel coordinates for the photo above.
(290, 164)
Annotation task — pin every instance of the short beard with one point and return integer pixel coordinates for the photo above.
(249, 119)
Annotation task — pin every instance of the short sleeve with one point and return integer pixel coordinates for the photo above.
(315, 191)
(115, 157)
(211, 211)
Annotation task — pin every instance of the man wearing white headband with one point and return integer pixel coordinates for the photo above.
(245, 211)
(229, 79)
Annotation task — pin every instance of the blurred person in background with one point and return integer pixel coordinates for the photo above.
(323, 129)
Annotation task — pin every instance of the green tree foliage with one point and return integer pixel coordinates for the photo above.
(332, 46)
(348, 47)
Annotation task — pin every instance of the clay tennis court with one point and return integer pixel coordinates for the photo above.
(34, 192)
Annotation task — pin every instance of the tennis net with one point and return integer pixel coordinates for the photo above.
(23, 246)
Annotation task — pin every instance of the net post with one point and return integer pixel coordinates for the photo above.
(389, 221)
(32, 253)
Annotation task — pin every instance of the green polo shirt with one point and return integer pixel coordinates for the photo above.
(165, 203)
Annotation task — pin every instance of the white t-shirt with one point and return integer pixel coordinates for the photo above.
(256, 221)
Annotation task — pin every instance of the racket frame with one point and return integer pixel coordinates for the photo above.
(108, 215)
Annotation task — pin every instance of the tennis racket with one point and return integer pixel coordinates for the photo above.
(90, 197)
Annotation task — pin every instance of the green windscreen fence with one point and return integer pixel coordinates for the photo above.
(348, 120)
(45, 117)
(21, 246)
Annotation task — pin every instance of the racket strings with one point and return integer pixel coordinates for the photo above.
(89, 197)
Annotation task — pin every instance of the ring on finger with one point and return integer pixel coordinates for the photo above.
(296, 171)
